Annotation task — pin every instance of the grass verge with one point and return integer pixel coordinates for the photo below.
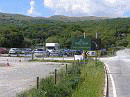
(91, 81)
(80, 80)
(38, 60)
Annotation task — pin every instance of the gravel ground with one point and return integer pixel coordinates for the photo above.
(21, 74)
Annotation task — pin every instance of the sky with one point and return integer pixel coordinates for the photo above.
(47, 8)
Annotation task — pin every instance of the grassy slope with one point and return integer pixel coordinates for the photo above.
(92, 81)
(128, 38)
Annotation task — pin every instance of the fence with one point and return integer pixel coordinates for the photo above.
(61, 73)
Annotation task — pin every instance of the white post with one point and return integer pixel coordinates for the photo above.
(84, 34)
(96, 35)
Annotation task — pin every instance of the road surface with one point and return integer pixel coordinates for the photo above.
(21, 75)
(119, 73)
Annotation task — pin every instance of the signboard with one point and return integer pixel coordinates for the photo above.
(91, 53)
(81, 43)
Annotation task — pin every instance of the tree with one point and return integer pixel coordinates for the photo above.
(13, 39)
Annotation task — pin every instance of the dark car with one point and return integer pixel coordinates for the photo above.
(55, 53)
(26, 51)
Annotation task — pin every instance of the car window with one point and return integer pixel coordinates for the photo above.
(39, 49)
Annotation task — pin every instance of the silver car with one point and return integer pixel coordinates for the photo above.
(41, 53)
(14, 51)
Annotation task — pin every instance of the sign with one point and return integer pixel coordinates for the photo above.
(81, 43)
(91, 53)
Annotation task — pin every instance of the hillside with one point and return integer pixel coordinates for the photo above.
(24, 31)
(74, 19)
(17, 18)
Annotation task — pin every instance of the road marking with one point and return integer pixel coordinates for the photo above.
(113, 83)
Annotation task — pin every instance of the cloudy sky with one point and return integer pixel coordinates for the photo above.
(45, 8)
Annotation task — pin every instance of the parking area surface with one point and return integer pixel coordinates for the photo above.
(21, 74)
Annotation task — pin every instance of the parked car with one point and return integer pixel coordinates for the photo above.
(55, 53)
(16, 51)
(2, 50)
(71, 53)
(26, 51)
(41, 53)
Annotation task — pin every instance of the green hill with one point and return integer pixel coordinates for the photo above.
(73, 19)
(24, 31)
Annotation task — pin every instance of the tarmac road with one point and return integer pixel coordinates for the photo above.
(22, 75)
(119, 73)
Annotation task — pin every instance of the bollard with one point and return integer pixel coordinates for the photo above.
(19, 60)
(37, 82)
(7, 63)
(55, 75)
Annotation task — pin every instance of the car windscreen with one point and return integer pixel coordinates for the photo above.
(50, 47)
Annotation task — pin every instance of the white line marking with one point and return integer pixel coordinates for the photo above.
(113, 83)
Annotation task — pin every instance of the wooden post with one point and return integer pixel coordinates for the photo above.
(73, 64)
(84, 60)
(55, 75)
(8, 63)
(37, 82)
(74, 58)
(96, 59)
(66, 68)
(78, 61)
(32, 56)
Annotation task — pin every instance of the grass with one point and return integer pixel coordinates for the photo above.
(80, 80)
(91, 81)
(37, 60)
(128, 38)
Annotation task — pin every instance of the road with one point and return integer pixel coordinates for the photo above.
(119, 73)
(21, 74)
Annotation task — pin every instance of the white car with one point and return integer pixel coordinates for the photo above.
(15, 51)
